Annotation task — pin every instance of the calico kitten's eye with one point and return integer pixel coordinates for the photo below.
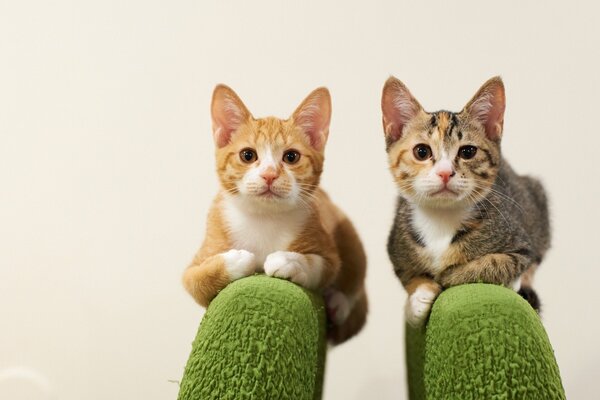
(422, 152)
(248, 155)
(291, 157)
(467, 152)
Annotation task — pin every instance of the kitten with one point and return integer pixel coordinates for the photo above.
(271, 216)
(463, 214)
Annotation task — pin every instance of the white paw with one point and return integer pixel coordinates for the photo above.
(418, 305)
(289, 265)
(239, 263)
(338, 306)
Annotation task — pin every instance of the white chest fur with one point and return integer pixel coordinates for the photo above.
(437, 227)
(260, 232)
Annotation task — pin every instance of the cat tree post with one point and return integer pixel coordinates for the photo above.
(261, 338)
(481, 342)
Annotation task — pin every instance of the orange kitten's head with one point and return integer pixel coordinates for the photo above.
(270, 162)
(443, 158)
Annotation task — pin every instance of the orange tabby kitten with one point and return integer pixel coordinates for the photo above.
(270, 215)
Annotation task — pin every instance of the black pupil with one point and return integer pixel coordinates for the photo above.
(291, 156)
(422, 152)
(248, 155)
(468, 152)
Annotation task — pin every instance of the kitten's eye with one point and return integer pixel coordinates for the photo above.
(248, 155)
(422, 152)
(467, 152)
(291, 157)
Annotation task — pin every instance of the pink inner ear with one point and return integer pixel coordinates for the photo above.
(488, 108)
(227, 117)
(313, 117)
(312, 124)
(495, 120)
(398, 107)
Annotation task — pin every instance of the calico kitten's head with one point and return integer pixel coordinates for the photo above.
(443, 159)
(269, 162)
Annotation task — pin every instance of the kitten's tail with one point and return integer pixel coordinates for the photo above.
(531, 296)
(526, 291)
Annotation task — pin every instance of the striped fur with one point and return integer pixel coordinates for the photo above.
(493, 227)
(288, 227)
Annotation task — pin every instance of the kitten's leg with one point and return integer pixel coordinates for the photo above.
(497, 268)
(422, 292)
(346, 300)
(206, 279)
(311, 271)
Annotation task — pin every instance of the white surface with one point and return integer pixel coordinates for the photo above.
(106, 166)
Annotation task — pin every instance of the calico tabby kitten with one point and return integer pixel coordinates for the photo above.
(463, 214)
(270, 215)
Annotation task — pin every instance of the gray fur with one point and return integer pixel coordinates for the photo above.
(509, 233)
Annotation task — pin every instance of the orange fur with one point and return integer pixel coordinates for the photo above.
(312, 227)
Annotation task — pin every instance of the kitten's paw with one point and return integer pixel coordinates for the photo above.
(239, 263)
(418, 304)
(288, 265)
(338, 306)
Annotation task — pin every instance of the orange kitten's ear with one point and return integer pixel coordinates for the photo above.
(314, 115)
(228, 113)
(487, 106)
(398, 106)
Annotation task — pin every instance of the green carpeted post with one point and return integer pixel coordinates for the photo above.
(482, 342)
(261, 338)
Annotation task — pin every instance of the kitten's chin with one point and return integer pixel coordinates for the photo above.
(265, 203)
(440, 200)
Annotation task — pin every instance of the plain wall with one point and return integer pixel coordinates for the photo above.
(107, 168)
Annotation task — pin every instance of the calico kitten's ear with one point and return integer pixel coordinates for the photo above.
(487, 106)
(398, 106)
(228, 113)
(313, 116)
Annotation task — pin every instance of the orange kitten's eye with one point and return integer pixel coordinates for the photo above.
(467, 152)
(422, 152)
(291, 157)
(248, 156)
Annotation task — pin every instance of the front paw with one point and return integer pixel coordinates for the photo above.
(288, 265)
(449, 277)
(419, 303)
(239, 263)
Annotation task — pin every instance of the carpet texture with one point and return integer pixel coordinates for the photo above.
(481, 342)
(261, 338)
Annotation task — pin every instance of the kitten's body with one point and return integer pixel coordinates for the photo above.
(494, 225)
(272, 217)
(463, 215)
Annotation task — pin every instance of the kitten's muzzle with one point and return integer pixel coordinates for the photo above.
(269, 175)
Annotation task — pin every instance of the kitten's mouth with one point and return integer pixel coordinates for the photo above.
(445, 192)
(268, 194)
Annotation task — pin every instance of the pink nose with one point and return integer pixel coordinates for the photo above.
(269, 175)
(446, 175)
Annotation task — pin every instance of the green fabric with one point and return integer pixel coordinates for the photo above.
(481, 342)
(261, 338)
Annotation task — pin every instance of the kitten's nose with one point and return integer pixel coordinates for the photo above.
(446, 174)
(269, 175)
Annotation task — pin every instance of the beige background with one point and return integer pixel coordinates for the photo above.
(106, 168)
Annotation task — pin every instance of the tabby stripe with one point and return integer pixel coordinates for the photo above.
(460, 234)
(483, 174)
(398, 159)
(312, 162)
(489, 157)
(451, 125)
(223, 165)
(414, 236)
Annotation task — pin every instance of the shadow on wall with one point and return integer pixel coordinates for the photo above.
(23, 383)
